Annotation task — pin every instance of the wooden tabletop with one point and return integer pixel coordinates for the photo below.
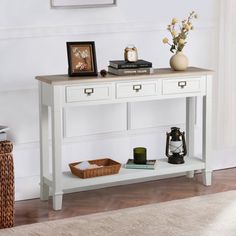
(157, 73)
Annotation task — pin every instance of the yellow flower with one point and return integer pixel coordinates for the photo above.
(181, 41)
(187, 27)
(165, 40)
(174, 21)
(174, 33)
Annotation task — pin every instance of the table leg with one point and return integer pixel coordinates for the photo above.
(56, 149)
(44, 147)
(207, 132)
(190, 122)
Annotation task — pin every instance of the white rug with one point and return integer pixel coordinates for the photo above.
(209, 215)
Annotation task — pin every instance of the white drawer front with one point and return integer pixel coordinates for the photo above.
(88, 93)
(136, 89)
(178, 86)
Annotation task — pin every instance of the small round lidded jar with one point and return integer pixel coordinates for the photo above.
(131, 53)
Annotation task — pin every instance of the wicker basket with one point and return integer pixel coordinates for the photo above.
(6, 147)
(6, 185)
(110, 167)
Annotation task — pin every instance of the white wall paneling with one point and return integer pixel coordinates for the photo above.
(19, 110)
(47, 55)
(154, 114)
(94, 119)
(32, 42)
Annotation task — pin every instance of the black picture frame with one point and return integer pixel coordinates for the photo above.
(81, 58)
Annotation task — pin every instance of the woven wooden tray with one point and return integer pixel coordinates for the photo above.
(110, 167)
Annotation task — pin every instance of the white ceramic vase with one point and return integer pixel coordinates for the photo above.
(179, 61)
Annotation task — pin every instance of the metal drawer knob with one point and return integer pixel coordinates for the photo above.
(88, 91)
(137, 87)
(182, 84)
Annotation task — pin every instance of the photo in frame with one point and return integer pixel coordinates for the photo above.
(82, 3)
(81, 59)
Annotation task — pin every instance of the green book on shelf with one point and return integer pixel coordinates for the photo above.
(150, 164)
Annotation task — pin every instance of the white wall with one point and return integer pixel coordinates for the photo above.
(32, 42)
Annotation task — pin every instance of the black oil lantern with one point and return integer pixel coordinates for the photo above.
(175, 146)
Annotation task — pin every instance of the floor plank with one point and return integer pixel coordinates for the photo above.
(82, 203)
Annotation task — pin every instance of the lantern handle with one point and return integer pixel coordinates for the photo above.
(184, 144)
(167, 144)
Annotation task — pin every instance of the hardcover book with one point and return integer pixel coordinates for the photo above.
(122, 64)
(150, 164)
(138, 71)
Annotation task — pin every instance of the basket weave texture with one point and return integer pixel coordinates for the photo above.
(110, 167)
(7, 191)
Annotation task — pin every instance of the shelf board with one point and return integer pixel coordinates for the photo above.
(71, 183)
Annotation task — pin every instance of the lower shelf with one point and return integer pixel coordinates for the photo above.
(71, 183)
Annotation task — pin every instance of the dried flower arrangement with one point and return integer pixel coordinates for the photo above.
(179, 36)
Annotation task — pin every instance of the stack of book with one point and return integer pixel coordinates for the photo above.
(3, 134)
(122, 67)
(150, 164)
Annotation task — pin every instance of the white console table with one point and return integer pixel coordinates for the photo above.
(60, 91)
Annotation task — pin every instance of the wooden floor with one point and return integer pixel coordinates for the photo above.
(132, 195)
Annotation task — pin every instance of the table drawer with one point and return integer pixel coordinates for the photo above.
(88, 93)
(178, 86)
(136, 89)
